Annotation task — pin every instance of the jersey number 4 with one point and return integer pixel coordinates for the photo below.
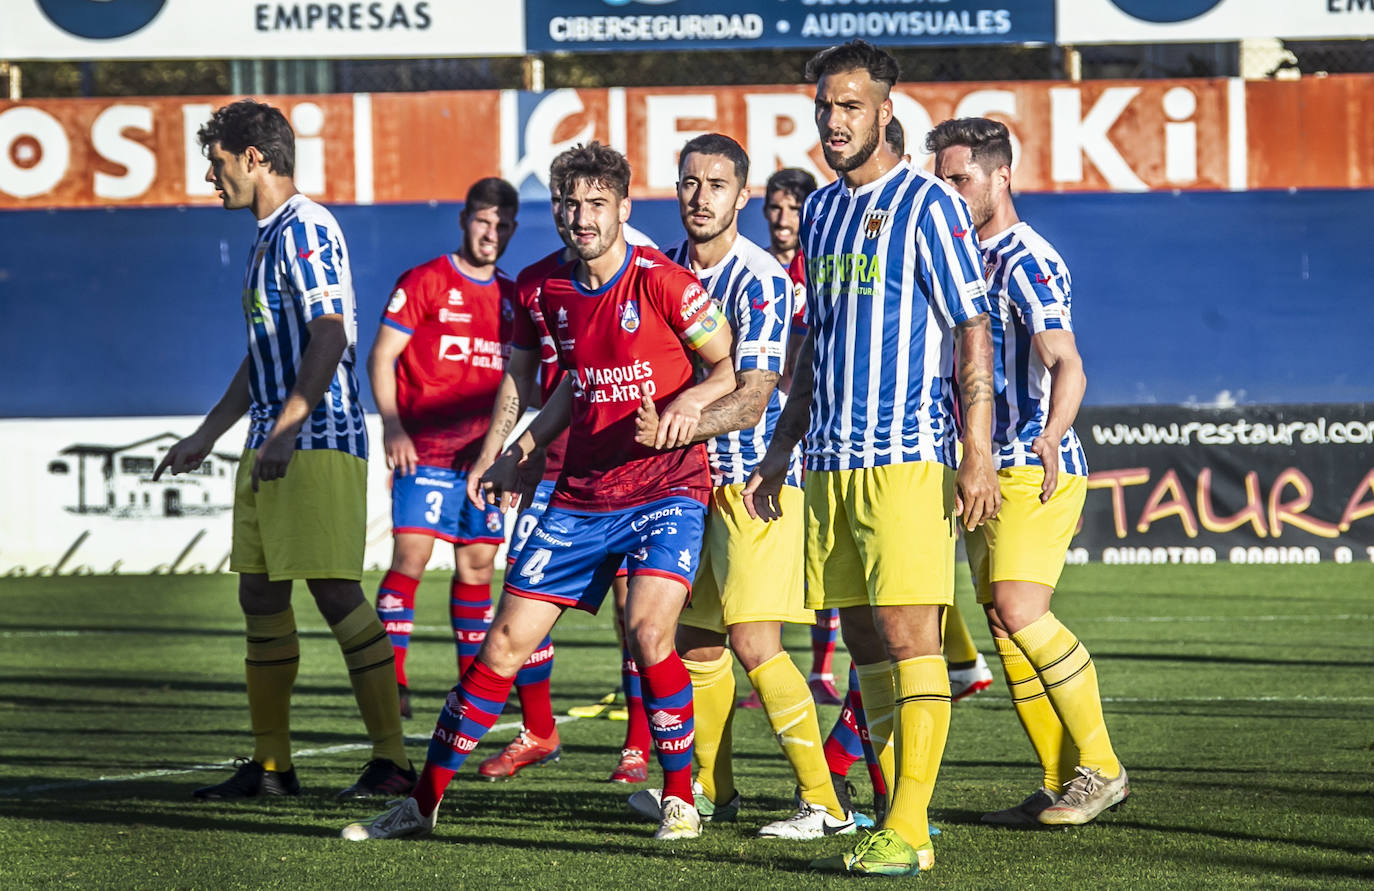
(534, 566)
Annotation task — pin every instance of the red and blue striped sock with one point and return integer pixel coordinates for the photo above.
(468, 713)
(396, 609)
(668, 700)
(823, 636)
(637, 734)
(532, 685)
(469, 610)
(845, 744)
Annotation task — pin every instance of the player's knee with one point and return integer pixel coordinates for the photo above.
(754, 644)
(650, 644)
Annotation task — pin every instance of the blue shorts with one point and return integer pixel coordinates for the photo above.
(434, 501)
(571, 558)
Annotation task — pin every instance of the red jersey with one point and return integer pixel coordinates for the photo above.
(633, 334)
(796, 270)
(448, 374)
(528, 332)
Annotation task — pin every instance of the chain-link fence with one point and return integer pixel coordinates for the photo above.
(701, 68)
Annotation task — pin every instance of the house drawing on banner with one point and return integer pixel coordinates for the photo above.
(117, 481)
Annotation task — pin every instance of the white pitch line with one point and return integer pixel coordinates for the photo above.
(220, 765)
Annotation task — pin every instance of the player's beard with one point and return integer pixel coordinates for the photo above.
(712, 228)
(842, 164)
(592, 249)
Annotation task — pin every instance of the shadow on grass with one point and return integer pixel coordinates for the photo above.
(1230, 835)
(1108, 655)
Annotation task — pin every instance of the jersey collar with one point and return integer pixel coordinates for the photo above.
(630, 251)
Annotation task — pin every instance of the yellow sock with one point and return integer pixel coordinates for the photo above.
(922, 710)
(1052, 745)
(713, 708)
(875, 685)
(270, 664)
(1070, 680)
(792, 713)
(958, 642)
(371, 669)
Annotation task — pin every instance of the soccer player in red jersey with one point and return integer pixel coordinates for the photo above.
(435, 367)
(626, 322)
(529, 371)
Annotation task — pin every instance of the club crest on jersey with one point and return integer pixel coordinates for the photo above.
(629, 317)
(493, 522)
(398, 300)
(875, 221)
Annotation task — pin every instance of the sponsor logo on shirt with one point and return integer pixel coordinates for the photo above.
(455, 297)
(398, 300)
(619, 383)
(447, 315)
(478, 351)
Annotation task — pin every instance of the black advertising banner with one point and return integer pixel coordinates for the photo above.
(1250, 484)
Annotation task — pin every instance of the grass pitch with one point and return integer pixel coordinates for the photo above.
(1240, 698)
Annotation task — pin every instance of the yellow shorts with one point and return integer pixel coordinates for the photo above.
(881, 536)
(750, 571)
(1027, 540)
(307, 525)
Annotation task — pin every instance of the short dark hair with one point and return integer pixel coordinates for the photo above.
(988, 140)
(895, 137)
(491, 191)
(247, 122)
(852, 56)
(794, 181)
(599, 165)
(718, 144)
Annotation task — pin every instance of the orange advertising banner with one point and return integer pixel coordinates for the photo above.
(1117, 136)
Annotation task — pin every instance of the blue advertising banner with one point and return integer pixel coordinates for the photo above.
(583, 25)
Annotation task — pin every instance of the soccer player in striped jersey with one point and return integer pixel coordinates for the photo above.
(968, 670)
(894, 288)
(532, 367)
(299, 500)
(750, 578)
(627, 321)
(1017, 556)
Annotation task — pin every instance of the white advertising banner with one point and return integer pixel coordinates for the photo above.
(1168, 21)
(251, 29)
(80, 500)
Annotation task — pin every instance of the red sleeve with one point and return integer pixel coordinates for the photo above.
(682, 301)
(796, 270)
(405, 308)
(524, 333)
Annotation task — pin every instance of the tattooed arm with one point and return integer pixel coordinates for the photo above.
(977, 496)
(514, 394)
(741, 408)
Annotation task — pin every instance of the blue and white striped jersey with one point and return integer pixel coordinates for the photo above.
(1028, 285)
(891, 268)
(298, 272)
(755, 294)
